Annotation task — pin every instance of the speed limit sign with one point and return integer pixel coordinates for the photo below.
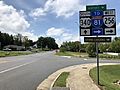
(109, 21)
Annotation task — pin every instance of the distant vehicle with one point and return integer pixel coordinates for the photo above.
(7, 49)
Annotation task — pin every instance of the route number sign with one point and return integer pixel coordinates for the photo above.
(103, 20)
(109, 21)
(85, 22)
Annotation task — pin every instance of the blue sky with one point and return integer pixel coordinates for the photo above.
(55, 18)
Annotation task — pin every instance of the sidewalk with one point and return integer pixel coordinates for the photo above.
(79, 78)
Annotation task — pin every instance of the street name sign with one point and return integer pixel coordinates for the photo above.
(95, 7)
(97, 39)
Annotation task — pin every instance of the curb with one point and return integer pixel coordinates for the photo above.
(54, 81)
(48, 83)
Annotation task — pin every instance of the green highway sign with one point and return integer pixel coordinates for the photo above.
(97, 39)
(96, 7)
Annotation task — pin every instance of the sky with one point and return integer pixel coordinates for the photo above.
(48, 18)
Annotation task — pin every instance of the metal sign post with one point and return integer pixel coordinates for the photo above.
(97, 20)
(97, 55)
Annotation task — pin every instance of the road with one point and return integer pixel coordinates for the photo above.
(27, 72)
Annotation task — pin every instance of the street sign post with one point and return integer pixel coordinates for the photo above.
(95, 21)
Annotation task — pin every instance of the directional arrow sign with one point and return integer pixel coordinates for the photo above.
(110, 31)
(97, 31)
(85, 32)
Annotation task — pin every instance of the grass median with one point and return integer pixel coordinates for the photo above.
(61, 80)
(108, 76)
(75, 54)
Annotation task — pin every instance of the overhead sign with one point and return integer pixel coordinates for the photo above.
(95, 7)
(101, 19)
(97, 39)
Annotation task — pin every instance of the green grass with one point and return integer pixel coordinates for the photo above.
(61, 81)
(76, 54)
(108, 75)
(109, 56)
(13, 53)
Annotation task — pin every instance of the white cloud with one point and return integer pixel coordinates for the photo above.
(13, 21)
(61, 35)
(54, 32)
(118, 26)
(118, 29)
(64, 8)
(30, 35)
(37, 12)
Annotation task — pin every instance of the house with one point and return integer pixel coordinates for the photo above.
(15, 47)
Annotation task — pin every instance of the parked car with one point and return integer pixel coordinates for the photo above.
(7, 49)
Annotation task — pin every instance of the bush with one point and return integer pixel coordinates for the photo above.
(62, 49)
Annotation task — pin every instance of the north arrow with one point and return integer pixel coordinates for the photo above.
(85, 32)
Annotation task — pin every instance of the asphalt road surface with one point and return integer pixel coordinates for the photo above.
(27, 72)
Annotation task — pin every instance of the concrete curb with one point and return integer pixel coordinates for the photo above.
(54, 81)
(49, 82)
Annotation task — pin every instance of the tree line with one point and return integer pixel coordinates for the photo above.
(90, 48)
(19, 40)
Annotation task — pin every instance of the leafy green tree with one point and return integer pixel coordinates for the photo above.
(47, 42)
(71, 46)
(115, 46)
(91, 50)
(104, 47)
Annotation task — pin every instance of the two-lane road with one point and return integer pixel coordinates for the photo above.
(27, 72)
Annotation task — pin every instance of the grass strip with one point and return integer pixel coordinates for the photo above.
(108, 75)
(76, 54)
(13, 53)
(61, 81)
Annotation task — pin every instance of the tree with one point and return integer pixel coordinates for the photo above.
(91, 50)
(115, 46)
(47, 42)
(104, 47)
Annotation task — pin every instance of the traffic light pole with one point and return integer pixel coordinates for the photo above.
(97, 55)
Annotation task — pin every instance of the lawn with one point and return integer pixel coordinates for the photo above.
(61, 81)
(76, 54)
(13, 53)
(108, 76)
(109, 56)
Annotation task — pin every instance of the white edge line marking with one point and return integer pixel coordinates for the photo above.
(15, 67)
